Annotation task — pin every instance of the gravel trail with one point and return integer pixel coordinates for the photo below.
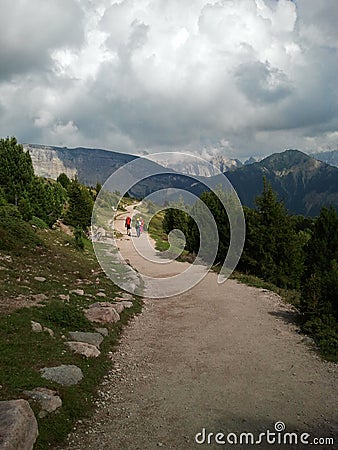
(226, 358)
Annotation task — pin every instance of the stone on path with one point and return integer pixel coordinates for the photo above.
(66, 375)
(90, 338)
(46, 398)
(102, 312)
(18, 425)
(82, 348)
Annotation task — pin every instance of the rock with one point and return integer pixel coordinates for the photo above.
(102, 304)
(82, 348)
(49, 331)
(18, 426)
(103, 331)
(308, 341)
(90, 338)
(64, 297)
(77, 292)
(101, 294)
(36, 327)
(119, 307)
(41, 279)
(127, 304)
(102, 312)
(39, 297)
(46, 398)
(66, 375)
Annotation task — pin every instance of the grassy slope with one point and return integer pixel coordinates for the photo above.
(23, 353)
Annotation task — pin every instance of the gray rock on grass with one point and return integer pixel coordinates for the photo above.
(77, 292)
(18, 425)
(90, 338)
(127, 304)
(36, 327)
(82, 348)
(46, 398)
(66, 375)
(103, 331)
(102, 312)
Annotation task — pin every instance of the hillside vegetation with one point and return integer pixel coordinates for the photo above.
(49, 277)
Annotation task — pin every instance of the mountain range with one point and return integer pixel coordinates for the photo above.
(304, 183)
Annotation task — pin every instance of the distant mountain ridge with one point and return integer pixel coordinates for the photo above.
(89, 165)
(206, 167)
(330, 157)
(305, 184)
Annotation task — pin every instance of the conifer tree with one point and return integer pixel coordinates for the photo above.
(80, 205)
(16, 170)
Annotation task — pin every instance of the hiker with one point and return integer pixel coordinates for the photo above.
(142, 225)
(128, 226)
(138, 227)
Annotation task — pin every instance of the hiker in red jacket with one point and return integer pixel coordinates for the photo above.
(128, 225)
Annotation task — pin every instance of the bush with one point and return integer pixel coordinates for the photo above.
(79, 238)
(38, 223)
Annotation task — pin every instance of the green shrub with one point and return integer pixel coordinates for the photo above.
(39, 223)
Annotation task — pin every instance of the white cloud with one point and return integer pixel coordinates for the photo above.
(255, 75)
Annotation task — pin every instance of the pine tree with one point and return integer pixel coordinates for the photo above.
(80, 206)
(273, 242)
(16, 170)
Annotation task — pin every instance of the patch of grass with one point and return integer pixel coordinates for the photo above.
(16, 235)
(156, 232)
(290, 296)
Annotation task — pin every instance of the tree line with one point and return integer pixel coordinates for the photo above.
(292, 252)
(25, 196)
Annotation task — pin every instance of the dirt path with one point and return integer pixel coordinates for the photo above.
(226, 358)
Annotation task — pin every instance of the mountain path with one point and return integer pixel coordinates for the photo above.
(227, 358)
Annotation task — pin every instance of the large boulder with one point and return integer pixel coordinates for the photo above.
(18, 425)
(90, 338)
(102, 312)
(66, 375)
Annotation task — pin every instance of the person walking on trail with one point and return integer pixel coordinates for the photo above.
(138, 227)
(142, 225)
(128, 226)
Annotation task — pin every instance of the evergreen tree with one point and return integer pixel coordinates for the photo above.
(273, 245)
(16, 170)
(320, 279)
(63, 180)
(80, 206)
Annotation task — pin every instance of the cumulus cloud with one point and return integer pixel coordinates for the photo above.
(240, 77)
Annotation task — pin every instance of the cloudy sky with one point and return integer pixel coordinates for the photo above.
(243, 77)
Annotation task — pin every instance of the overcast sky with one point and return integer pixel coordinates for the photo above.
(243, 77)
